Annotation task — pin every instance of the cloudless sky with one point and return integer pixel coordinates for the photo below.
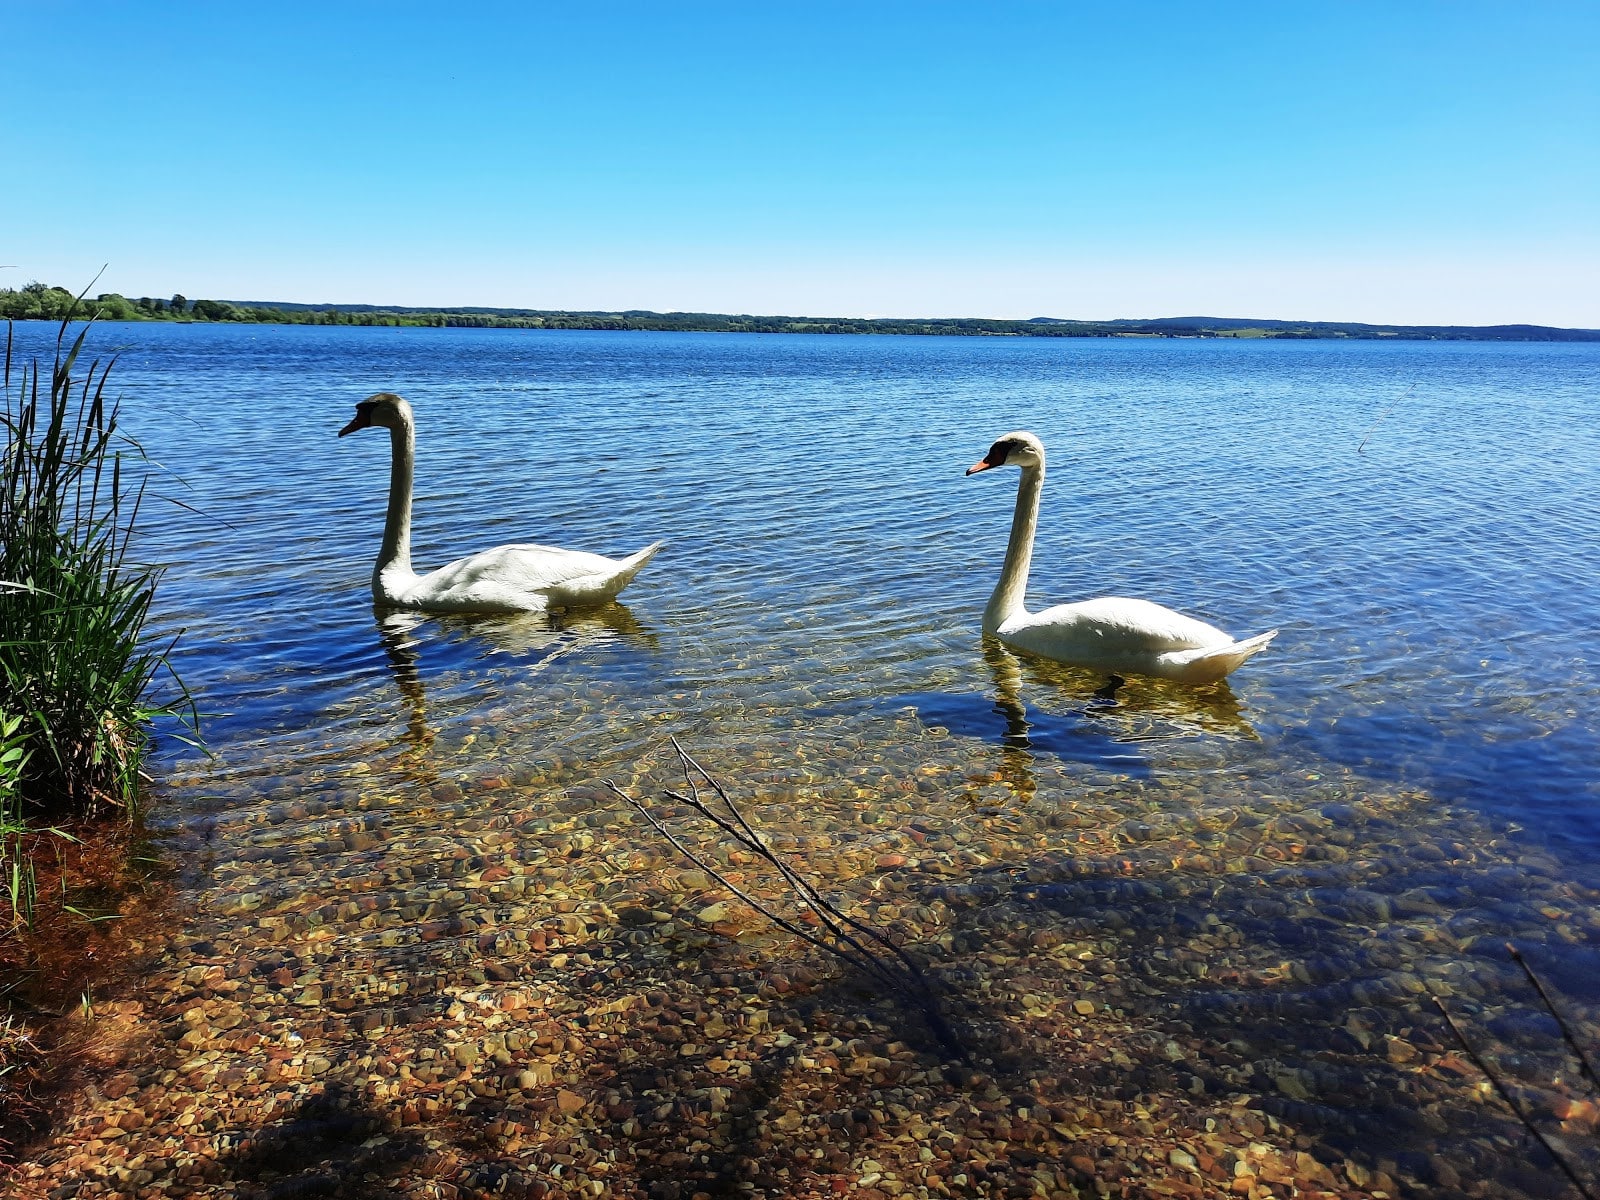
(1404, 161)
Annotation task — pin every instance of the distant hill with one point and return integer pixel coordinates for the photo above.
(37, 301)
(1266, 327)
(1235, 327)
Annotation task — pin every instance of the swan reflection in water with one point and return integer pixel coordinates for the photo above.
(534, 639)
(1138, 708)
(1078, 714)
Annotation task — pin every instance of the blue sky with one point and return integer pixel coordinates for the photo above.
(1390, 162)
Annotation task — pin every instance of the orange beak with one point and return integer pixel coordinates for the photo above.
(983, 464)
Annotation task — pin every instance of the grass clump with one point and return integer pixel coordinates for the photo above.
(76, 666)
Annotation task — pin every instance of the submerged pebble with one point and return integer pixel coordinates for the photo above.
(1182, 978)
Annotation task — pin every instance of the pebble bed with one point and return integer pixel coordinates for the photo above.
(462, 970)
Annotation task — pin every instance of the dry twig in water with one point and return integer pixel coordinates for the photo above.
(1582, 1055)
(847, 939)
(1518, 1110)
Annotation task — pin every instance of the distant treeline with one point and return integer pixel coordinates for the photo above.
(37, 301)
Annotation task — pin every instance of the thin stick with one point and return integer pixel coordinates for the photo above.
(904, 977)
(1516, 1109)
(776, 918)
(1561, 1019)
(1362, 448)
(747, 837)
(813, 897)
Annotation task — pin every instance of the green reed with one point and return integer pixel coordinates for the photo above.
(76, 666)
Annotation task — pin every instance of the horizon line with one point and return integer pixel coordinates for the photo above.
(1038, 319)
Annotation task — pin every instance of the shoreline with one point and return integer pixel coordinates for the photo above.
(58, 304)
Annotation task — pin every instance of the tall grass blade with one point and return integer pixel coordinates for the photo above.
(79, 674)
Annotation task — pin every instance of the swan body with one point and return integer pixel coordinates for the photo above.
(515, 578)
(1111, 633)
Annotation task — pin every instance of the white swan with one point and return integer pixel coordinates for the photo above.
(1110, 633)
(519, 578)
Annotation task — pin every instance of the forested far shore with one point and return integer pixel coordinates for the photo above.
(41, 302)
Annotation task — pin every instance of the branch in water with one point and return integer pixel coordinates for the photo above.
(851, 941)
(1561, 1019)
(1518, 1110)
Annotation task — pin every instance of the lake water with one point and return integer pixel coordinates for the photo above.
(1365, 812)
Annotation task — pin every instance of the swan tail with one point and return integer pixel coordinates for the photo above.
(634, 563)
(1209, 664)
(629, 567)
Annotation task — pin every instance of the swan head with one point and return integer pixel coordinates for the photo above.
(383, 409)
(1018, 449)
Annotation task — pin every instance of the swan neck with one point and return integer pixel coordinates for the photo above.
(1011, 592)
(396, 552)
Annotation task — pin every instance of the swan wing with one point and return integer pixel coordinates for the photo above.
(522, 577)
(1115, 625)
(1117, 634)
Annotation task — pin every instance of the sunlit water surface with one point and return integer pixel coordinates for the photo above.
(1406, 779)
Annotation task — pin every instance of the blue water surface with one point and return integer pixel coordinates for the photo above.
(1418, 519)
(1363, 814)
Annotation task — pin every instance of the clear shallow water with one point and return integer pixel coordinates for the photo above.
(1417, 519)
